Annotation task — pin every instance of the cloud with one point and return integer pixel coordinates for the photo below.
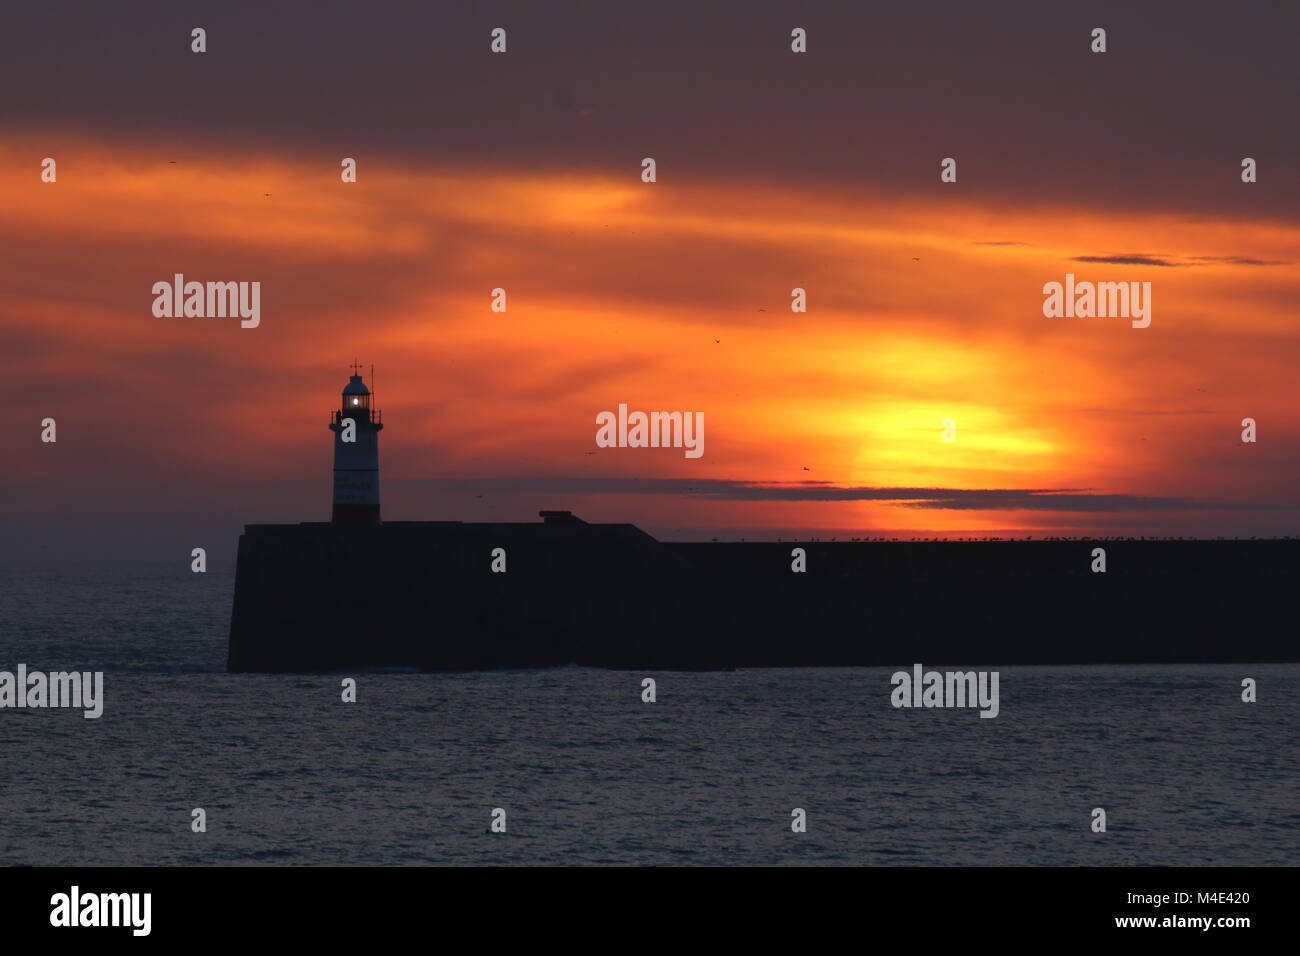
(1036, 501)
(960, 499)
(1127, 260)
(1145, 259)
(926, 85)
(1240, 261)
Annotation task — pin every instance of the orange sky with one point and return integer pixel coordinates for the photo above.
(617, 291)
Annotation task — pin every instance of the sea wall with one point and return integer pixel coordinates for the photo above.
(314, 597)
(1013, 602)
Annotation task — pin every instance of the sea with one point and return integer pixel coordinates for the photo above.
(582, 771)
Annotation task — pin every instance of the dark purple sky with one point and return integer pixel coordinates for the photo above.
(1185, 90)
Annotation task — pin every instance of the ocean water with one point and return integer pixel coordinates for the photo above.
(589, 774)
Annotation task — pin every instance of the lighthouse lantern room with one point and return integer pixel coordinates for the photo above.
(356, 428)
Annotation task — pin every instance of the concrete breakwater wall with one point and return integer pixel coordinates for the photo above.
(319, 597)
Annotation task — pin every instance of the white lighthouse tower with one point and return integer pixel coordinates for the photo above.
(356, 428)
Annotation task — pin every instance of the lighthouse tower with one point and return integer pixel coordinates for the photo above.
(356, 455)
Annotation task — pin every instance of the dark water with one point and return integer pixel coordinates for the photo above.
(588, 774)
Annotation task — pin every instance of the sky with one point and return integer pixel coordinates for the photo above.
(775, 170)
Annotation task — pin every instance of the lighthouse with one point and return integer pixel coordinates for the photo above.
(356, 429)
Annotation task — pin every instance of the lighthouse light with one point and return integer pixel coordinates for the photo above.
(356, 401)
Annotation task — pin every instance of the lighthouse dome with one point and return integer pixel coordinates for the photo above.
(355, 387)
